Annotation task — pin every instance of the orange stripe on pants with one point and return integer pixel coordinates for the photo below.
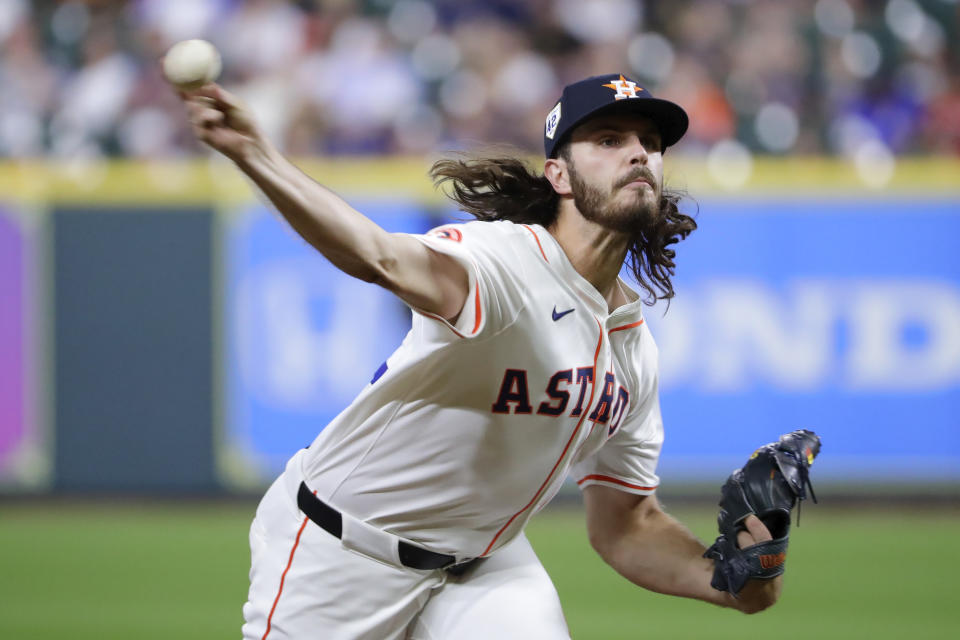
(284, 576)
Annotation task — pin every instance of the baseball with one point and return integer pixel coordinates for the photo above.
(190, 64)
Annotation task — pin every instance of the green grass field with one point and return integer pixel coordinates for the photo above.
(162, 571)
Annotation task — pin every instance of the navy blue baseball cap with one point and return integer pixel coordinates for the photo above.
(612, 93)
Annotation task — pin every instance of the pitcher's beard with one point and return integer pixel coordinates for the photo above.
(598, 207)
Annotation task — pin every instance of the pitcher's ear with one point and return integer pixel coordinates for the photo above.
(556, 171)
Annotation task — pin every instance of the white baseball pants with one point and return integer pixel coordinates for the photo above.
(304, 584)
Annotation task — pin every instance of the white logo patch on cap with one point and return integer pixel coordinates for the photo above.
(553, 120)
(624, 88)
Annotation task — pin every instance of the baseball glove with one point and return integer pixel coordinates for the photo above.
(772, 481)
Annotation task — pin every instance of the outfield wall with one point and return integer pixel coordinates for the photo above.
(161, 330)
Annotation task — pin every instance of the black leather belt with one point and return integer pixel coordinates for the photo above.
(330, 520)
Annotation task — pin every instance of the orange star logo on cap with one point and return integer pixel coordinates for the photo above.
(624, 88)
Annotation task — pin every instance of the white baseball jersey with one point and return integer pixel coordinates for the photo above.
(469, 428)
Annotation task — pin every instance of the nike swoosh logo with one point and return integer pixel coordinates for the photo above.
(557, 316)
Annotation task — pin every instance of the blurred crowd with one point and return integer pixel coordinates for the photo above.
(83, 79)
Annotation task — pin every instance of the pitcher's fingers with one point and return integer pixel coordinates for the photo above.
(208, 117)
(208, 135)
(203, 111)
(221, 97)
(200, 102)
(757, 529)
(204, 116)
(207, 91)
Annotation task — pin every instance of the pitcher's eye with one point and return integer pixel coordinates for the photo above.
(651, 143)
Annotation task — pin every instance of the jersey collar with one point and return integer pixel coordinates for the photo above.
(558, 259)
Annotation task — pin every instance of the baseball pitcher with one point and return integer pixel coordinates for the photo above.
(528, 361)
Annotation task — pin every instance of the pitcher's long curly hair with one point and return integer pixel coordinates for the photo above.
(504, 188)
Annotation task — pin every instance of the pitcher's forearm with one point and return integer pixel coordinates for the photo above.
(350, 240)
(648, 546)
(427, 280)
(664, 556)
